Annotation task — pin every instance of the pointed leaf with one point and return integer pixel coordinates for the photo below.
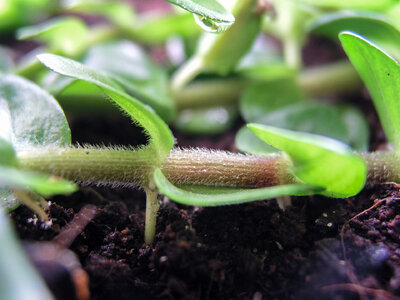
(11, 178)
(206, 8)
(381, 74)
(161, 138)
(210, 196)
(318, 160)
(135, 71)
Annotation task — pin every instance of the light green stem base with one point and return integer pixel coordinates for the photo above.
(152, 206)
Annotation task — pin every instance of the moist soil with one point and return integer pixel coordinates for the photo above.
(319, 248)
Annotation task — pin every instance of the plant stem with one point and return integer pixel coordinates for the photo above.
(208, 92)
(186, 73)
(336, 77)
(129, 167)
(152, 206)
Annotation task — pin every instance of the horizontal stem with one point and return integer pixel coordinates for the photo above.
(336, 77)
(128, 167)
(383, 166)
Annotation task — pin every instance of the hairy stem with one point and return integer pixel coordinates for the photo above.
(129, 167)
(383, 166)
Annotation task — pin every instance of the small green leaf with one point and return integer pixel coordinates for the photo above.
(157, 29)
(161, 138)
(262, 98)
(18, 278)
(357, 128)
(30, 117)
(210, 9)
(317, 118)
(318, 160)
(119, 13)
(247, 142)
(212, 196)
(65, 35)
(373, 27)
(16, 13)
(206, 121)
(355, 4)
(134, 70)
(43, 184)
(7, 154)
(381, 75)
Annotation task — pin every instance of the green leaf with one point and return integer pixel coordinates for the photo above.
(247, 142)
(357, 128)
(212, 196)
(157, 29)
(30, 117)
(381, 75)
(317, 118)
(18, 278)
(11, 178)
(373, 27)
(161, 138)
(210, 9)
(131, 68)
(65, 35)
(134, 70)
(206, 121)
(7, 154)
(119, 13)
(15, 13)
(262, 98)
(355, 4)
(318, 160)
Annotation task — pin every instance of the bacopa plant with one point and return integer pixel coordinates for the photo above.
(298, 151)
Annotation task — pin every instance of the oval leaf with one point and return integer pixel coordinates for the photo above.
(206, 121)
(381, 75)
(30, 117)
(212, 196)
(318, 160)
